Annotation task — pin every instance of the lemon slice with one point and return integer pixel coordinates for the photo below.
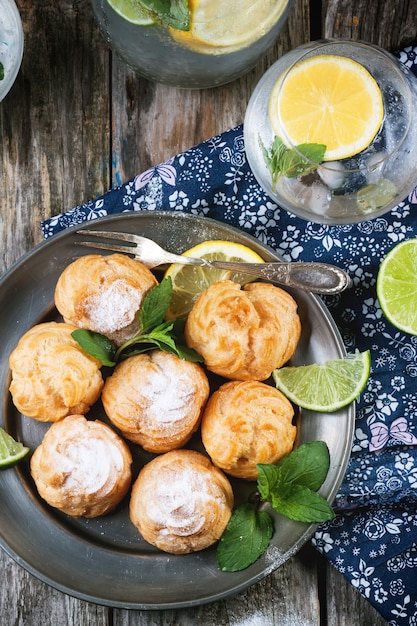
(330, 100)
(133, 11)
(188, 281)
(218, 27)
(11, 451)
(328, 387)
(396, 286)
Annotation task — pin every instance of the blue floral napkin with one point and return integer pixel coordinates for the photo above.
(373, 539)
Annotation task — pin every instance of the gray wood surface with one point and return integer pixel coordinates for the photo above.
(78, 121)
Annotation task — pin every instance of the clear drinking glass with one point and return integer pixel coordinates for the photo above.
(11, 45)
(353, 189)
(225, 39)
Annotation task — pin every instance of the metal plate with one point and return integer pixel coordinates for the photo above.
(105, 560)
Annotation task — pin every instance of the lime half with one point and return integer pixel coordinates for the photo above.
(133, 11)
(328, 387)
(11, 451)
(396, 286)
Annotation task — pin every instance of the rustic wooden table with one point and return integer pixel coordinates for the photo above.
(78, 121)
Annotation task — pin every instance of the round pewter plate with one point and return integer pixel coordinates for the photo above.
(105, 560)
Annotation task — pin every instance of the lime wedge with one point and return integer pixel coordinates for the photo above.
(396, 286)
(11, 451)
(327, 387)
(133, 11)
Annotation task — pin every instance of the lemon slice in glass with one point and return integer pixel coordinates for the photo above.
(219, 27)
(189, 281)
(133, 11)
(11, 451)
(328, 387)
(329, 100)
(397, 286)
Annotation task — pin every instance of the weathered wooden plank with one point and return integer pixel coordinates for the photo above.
(287, 597)
(391, 25)
(54, 123)
(26, 601)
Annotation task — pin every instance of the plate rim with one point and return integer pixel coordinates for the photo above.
(308, 529)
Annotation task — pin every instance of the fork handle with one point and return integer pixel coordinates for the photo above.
(319, 278)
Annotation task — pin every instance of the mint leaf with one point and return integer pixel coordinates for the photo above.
(164, 337)
(96, 345)
(301, 504)
(155, 305)
(307, 465)
(302, 160)
(1, 71)
(173, 13)
(291, 163)
(246, 537)
(274, 158)
(292, 483)
(269, 478)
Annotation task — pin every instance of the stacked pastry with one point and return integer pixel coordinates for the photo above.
(182, 500)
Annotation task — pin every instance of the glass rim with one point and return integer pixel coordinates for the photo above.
(315, 48)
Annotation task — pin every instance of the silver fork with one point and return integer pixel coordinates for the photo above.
(319, 278)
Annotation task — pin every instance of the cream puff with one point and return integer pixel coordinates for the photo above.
(104, 294)
(156, 399)
(244, 334)
(82, 468)
(180, 502)
(52, 376)
(246, 423)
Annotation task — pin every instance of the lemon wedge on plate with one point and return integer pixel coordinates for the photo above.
(330, 100)
(188, 281)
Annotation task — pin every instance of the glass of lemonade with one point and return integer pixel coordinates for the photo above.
(204, 44)
(11, 45)
(331, 132)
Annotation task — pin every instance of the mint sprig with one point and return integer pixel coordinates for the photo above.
(291, 488)
(292, 162)
(1, 71)
(153, 332)
(173, 13)
(246, 537)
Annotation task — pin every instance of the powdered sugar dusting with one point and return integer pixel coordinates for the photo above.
(180, 502)
(168, 396)
(90, 465)
(113, 308)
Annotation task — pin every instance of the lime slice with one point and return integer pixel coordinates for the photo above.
(376, 195)
(189, 281)
(133, 11)
(396, 286)
(11, 451)
(327, 387)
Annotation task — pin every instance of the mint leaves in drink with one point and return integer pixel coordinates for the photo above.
(291, 488)
(153, 332)
(1, 71)
(173, 13)
(291, 163)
